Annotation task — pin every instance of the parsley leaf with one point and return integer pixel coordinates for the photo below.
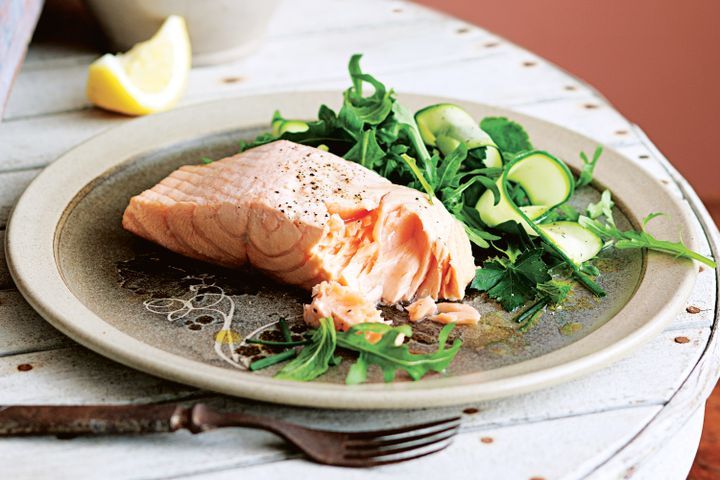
(641, 239)
(586, 174)
(512, 281)
(510, 137)
(392, 355)
(314, 359)
(556, 291)
(552, 292)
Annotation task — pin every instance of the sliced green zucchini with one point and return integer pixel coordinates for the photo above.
(546, 180)
(576, 241)
(445, 126)
(281, 126)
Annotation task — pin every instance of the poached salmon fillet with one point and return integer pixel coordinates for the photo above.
(310, 218)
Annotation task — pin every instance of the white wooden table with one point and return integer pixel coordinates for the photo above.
(640, 418)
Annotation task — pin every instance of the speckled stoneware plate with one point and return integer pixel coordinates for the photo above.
(158, 312)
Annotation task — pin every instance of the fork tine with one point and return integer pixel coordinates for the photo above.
(357, 454)
(368, 444)
(379, 463)
(396, 431)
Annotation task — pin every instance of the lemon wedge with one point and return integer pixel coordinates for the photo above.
(149, 78)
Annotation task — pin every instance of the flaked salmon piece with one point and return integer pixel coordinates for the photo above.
(347, 307)
(421, 308)
(443, 312)
(305, 216)
(460, 313)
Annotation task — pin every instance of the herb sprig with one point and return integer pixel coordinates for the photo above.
(375, 343)
(632, 239)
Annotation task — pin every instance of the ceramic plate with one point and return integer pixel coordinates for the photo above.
(158, 312)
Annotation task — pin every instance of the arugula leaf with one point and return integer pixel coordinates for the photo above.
(633, 239)
(358, 371)
(372, 109)
(449, 169)
(391, 355)
(603, 207)
(314, 359)
(261, 139)
(325, 130)
(407, 123)
(475, 229)
(410, 162)
(512, 281)
(328, 116)
(562, 212)
(510, 137)
(586, 174)
(367, 152)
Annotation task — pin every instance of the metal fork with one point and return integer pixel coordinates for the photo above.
(347, 449)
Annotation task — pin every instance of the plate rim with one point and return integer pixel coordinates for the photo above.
(33, 271)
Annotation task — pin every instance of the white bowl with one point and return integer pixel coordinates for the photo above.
(220, 30)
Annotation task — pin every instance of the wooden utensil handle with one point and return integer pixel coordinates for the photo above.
(92, 419)
(61, 420)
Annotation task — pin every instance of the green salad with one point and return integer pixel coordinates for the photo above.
(512, 199)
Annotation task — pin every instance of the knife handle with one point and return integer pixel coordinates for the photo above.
(92, 419)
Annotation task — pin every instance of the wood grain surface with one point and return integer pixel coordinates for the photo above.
(707, 462)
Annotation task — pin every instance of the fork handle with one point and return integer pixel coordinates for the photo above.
(124, 419)
(91, 419)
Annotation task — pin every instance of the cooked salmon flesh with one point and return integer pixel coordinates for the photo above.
(306, 216)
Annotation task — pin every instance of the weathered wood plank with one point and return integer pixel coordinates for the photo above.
(702, 298)
(12, 184)
(38, 141)
(23, 330)
(77, 375)
(369, 15)
(5, 279)
(515, 452)
(676, 456)
(639, 154)
(280, 61)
